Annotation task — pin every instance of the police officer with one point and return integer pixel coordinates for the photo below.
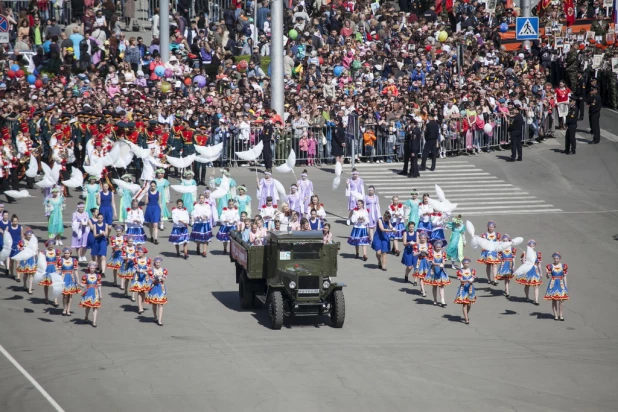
(516, 128)
(432, 134)
(580, 94)
(571, 124)
(406, 150)
(415, 148)
(594, 111)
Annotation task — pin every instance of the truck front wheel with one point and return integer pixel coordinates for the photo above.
(275, 310)
(244, 294)
(337, 310)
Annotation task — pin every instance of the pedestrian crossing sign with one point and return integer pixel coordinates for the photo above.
(527, 28)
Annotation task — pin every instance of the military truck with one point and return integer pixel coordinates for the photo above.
(291, 273)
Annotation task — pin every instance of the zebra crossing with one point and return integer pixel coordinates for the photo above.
(476, 191)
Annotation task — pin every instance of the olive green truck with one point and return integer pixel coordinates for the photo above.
(291, 273)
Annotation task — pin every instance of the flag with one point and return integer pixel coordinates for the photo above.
(569, 12)
(438, 6)
(449, 5)
(614, 13)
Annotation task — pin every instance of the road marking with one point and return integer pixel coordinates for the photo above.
(435, 172)
(34, 383)
(493, 190)
(500, 207)
(476, 179)
(510, 202)
(517, 212)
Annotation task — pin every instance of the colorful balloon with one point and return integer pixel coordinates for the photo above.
(169, 73)
(188, 81)
(31, 78)
(38, 83)
(442, 36)
(15, 67)
(199, 81)
(20, 74)
(166, 87)
(242, 66)
(356, 65)
(293, 34)
(159, 71)
(11, 74)
(504, 28)
(338, 71)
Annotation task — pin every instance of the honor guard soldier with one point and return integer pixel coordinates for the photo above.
(594, 112)
(571, 124)
(580, 94)
(201, 139)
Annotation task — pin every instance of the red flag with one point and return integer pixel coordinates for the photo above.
(438, 6)
(569, 11)
(449, 5)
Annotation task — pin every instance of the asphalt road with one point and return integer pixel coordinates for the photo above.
(396, 351)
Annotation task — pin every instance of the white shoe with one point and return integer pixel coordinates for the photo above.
(348, 222)
(60, 243)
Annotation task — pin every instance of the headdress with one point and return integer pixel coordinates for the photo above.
(438, 243)
(50, 242)
(92, 265)
(556, 254)
(66, 249)
(466, 260)
(532, 242)
(158, 259)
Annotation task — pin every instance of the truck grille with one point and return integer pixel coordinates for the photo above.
(308, 285)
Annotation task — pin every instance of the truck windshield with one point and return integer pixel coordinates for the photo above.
(302, 251)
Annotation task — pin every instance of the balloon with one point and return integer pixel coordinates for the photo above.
(356, 65)
(31, 78)
(20, 74)
(293, 34)
(442, 36)
(242, 66)
(159, 71)
(168, 73)
(11, 74)
(15, 67)
(199, 81)
(504, 28)
(38, 83)
(321, 60)
(487, 128)
(188, 81)
(338, 71)
(166, 87)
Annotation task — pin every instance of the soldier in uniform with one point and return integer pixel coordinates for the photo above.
(46, 132)
(580, 94)
(571, 124)
(599, 26)
(201, 138)
(572, 67)
(594, 113)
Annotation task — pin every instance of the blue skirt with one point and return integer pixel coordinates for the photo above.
(408, 258)
(99, 247)
(381, 243)
(14, 250)
(556, 290)
(359, 237)
(140, 283)
(437, 277)
(153, 213)
(201, 233)
(115, 260)
(90, 240)
(399, 231)
(224, 232)
(157, 295)
(69, 287)
(179, 235)
(424, 227)
(505, 270)
(466, 294)
(138, 233)
(108, 214)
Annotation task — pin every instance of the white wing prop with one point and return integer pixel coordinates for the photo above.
(41, 265)
(181, 162)
(18, 194)
(76, 180)
(46, 182)
(55, 171)
(184, 189)
(507, 245)
(30, 250)
(6, 247)
(56, 286)
(528, 263)
(125, 156)
(289, 164)
(210, 151)
(203, 159)
(251, 154)
(442, 204)
(95, 169)
(33, 167)
(488, 244)
(112, 156)
(131, 187)
(222, 190)
(138, 151)
(357, 195)
(280, 189)
(337, 179)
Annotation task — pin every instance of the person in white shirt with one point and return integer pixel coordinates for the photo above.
(180, 232)
(229, 219)
(135, 223)
(204, 217)
(268, 212)
(360, 235)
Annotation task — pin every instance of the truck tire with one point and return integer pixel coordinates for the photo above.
(275, 310)
(245, 296)
(337, 311)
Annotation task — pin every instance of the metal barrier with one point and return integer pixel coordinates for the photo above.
(60, 9)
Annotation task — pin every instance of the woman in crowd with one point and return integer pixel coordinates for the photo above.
(92, 192)
(425, 210)
(381, 242)
(359, 238)
(106, 203)
(100, 231)
(243, 200)
(55, 205)
(266, 189)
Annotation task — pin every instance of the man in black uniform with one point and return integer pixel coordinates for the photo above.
(517, 128)
(432, 134)
(415, 148)
(406, 150)
(594, 111)
(571, 123)
(267, 137)
(580, 94)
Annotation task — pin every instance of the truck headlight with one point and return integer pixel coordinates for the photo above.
(326, 284)
(292, 284)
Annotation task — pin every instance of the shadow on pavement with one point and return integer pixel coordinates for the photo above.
(45, 320)
(491, 292)
(119, 295)
(146, 319)
(541, 315)
(28, 310)
(14, 297)
(519, 299)
(410, 291)
(453, 318)
(509, 312)
(130, 308)
(348, 255)
(397, 280)
(422, 301)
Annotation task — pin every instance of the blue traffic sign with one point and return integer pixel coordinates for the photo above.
(527, 28)
(4, 24)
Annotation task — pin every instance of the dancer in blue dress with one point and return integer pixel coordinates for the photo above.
(90, 239)
(51, 259)
(409, 240)
(381, 242)
(99, 246)
(533, 277)
(229, 219)
(398, 222)
(15, 230)
(91, 297)
(67, 267)
(157, 294)
(437, 276)
(180, 232)
(422, 251)
(27, 267)
(466, 294)
(115, 260)
(359, 238)
(425, 210)
(141, 282)
(315, 223)
(107, 206)
(152, 216)
(490, 258)
(506, 266)
(127, 269)
(557, 290)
